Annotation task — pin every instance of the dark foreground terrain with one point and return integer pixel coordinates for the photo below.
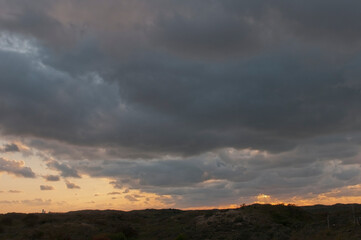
(247, 222)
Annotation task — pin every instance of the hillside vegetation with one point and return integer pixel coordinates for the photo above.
(248, 222)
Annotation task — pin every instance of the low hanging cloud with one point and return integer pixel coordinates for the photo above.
(15, 168)
(113, 193)
(46, 187)
(52, 178)
(70, 185)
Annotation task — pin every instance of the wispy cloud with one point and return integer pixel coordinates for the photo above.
(14, 191)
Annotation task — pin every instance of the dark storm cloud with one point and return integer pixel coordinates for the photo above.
(324, 21)
(33, 22)
(147, 81)
(228, 74)
(327, 22)
(44, 96)
(15, 168)
(211, 33)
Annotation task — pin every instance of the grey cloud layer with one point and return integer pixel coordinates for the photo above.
(250, 74)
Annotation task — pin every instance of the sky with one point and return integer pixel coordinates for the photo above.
(192, 104)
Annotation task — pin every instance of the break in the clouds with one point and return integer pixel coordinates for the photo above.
(153, 94)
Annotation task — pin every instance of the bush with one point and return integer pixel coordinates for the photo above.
(180, 237)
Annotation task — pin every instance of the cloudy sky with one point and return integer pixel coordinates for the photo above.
(130, 104)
